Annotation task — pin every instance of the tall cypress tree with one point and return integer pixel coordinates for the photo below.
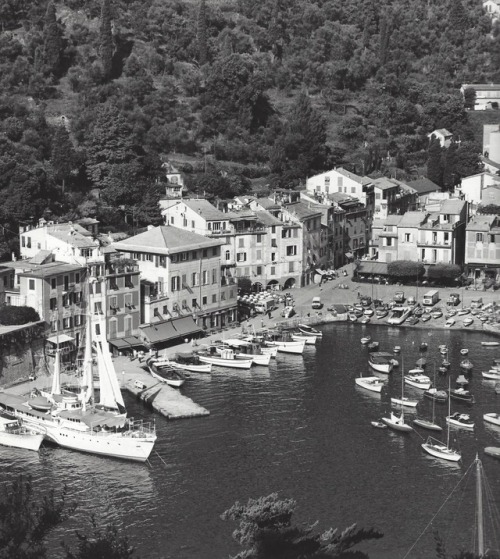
(63, 155)
(52, 41)
(435, 162)
(106, 39)
(385, 35)
(202, 33)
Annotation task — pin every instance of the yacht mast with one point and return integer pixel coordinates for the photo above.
(479, 508)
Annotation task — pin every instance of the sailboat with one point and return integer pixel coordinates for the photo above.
(425, 423)
(398, 422)
(438, 449)
(74, 421)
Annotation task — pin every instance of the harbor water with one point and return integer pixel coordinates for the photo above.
(300, 428)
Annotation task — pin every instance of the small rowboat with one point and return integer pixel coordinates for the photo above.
(464, 351)
(493, 451)
(366, 340)
(490, 344)
(310, 331)
(380, 425)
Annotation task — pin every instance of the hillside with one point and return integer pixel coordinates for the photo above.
(262, 91)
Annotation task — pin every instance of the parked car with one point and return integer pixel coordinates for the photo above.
(411, 300)
(316, 303)
(425, 317)
(399, 297)
(453, 299)
(366, 301)
(412, 320)
(476, 303)
(437, 313)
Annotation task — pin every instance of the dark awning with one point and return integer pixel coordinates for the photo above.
(371, 267)
(127, 342)
(119, 343)
(348, 254)
(171, 329)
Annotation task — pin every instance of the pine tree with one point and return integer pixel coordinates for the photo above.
(106, 39)
(435, 162)
(63, 156)
(385, 36)
(202, 33)
(52, 41)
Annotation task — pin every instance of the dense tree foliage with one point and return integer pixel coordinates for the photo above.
(289, 87)
(17, 315)
(406, 270)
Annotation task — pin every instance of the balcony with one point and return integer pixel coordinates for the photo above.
(154, 297)
(220, 232)
(434, 243)
(120, 269)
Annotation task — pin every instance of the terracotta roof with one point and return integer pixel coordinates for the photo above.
(481, 222)
(166, 240)
(302, 210)
(413, 219)
(204, 208)
(424, 185)
(452, 206)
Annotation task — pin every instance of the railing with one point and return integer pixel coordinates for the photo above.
(434, 243)
(155, 297)
(121, 269)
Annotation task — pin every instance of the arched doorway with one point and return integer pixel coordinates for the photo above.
(273, 285)
(257, 287)
(289, 283)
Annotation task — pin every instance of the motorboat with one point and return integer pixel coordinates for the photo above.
(490, 344)
(467, 321)
(397, 422)
(462, 381)
(493, 418)
(445, 363)
(491, 375)
(420, 381)
(374, 384)
(373, 346)
(397, 349)
(186, 362)
(416, 371)
(308, 340)
(366, 340)
(493, 451)
(380, 361)
(166, 373)
(380, 425)
(462, 420)
(449, 323)
(310, 331)
(245, 350)
(443, 350)
(497, 388)
(296, 347)
(462, 395)
(437, 395)
(226, 358)
(404, 401)
(14, 434)
(466, 364)
(464, 351)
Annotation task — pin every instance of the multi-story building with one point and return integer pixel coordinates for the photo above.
(6, 281)
(482, 247)
(55, 290)
(112, 296)
(480, 189)
(393, 197)
(357, 227)
(180, 281)
(383, 243)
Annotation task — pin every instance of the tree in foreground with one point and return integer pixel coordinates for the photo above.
(266, 530)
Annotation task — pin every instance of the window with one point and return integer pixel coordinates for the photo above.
(86, 252)
(184, 281)
(259, 239)
(388, 242)
(171, 220)
(291, 266)
(28, 241)
(223, 296)
(162, 261)
(185, 222)
(31, 285)
(78, 320)
(98, 329)
(291, 250)
(214, 275)
(205, 253)
(214, 298)
(446, 238)
(67, 322)
(165, 309)
(407, 237)
(195, 279)
(241, 243)
(53, 304)
(273, 271)
(228, 255)
(259, 270)
(241, 256)
(204, 277)
(175, 283)
(54, 326)
(492, 238)
(194, 303)
(273, 229)
(53, 283)
(98, 308)
(23, 241)
(259, 255)
(204, 301)
(66, 283)
(184, 256)
(113, 303)
(479, 237)
(192, 224)
(273, 257)
(274, 243)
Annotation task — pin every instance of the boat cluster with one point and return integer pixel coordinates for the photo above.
(241, 352)
(384, 363)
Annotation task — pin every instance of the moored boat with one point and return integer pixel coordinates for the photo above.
(227, 358)
(440, 396)
(462, 420)
(466, 364)
(404, 401)
(427, 424)
(186, 362)
(373, 346)
(490, 344)
(308, 340)
(423, 346)
(464, 351)
(440, 450)
(491, 375)
(467, 321)
(380, 361)
(165, 373)
(420, 381)
(461, 380)
(380, 425)
(493, 418)
(366, 340)
(397, 422)
(310, 331)
(14, 434)
(397, 349)
(462, 395)
(374, 384)
(493, 451)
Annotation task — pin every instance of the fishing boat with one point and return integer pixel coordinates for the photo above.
(438, 449)
(165, 373)
(493, 418)
(97, 428)
(464, 351)
(14, 434)
(491, 375)
(244, 350)
(226, 358)
(462, 395)
(380, 361)
(462, 420)
(287, 347)
(440, 396)
(191, 368)
(366, 340)
(420, 381)
(374, 384)
(378, 424)
(490, 344)
(310, 331)
(185, 362)
(466, 364)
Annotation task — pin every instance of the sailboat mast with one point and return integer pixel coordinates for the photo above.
(449, 413)
(479, 505)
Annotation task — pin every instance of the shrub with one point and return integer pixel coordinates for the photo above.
(17, 315)
(405, 270)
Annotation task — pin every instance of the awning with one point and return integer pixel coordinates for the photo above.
(171, 329)
(349, 254)
(127, 342)
(60, 339)
(372, 268)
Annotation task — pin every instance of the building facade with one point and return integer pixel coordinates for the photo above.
(482, 247)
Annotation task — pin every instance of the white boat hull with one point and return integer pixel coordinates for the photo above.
(205, 368)
(425, 424)
(441, 451)
(455, 423)
(491, 375)
(381, 367)
(397, 424)
(308, 340)
(404, 402)
(288, 347)
(27, 441)
(490, 344)
(171, 382)
(493, 418)
(232, 363)
(374, 384)
(422, 385)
